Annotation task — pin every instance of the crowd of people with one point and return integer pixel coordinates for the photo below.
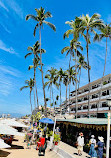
(93, 146)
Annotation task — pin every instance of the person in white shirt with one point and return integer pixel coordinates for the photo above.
(80, 142)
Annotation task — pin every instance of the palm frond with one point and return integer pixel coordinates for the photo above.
(65, 49)
(30, 16)
(23, 87)
(48, 15)
(28, 54)
(30, 67)
(50, 25)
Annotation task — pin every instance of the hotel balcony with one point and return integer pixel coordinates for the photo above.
(102, 98)
(92, 91)
(91, 110)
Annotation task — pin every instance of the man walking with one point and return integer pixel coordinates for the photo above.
(80, 142)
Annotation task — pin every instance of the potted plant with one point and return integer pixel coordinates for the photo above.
(56, 139)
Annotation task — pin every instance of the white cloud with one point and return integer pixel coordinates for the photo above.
(15, 7)
(5, 28)
(7, 80)
(3, 6)
(7, 49)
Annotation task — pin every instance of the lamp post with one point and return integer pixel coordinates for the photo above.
(108, 128)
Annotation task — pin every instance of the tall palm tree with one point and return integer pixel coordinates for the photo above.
(65, 82)
(81, 64)
(74, 31)
(87, 25)
(105, 33)
(40, 17)
(52, 80)
(34, 66)
(29, 84)
(59, 76)
(35, 50)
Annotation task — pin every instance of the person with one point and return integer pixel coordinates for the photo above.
(57, 130)
(100, 146)
(80, 143)
(92, 144)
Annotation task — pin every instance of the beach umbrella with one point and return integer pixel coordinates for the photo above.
(7, 130)
(13, 123)
(46, 120)
(3, 144)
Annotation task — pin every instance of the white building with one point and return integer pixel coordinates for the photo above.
(100, 91)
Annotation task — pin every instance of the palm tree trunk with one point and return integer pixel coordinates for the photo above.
(88, 72)
(53, 100)
(42, 73)
(69, 96)
(102, 76)
(36, 85)
(34, 98)
(50, 99)
(76, 84)
(30, 102)
(60, 100)
(79, 80)
(105, 58)
(66, 93)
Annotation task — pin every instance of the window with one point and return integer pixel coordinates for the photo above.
(104, 104)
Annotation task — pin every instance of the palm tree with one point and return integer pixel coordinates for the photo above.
(59, 76)
(35, 51)
(87, 25)
(81, 64)
(105, 33)
(29, 84)
(71, 77)
(74, 31)
(35, 65)
(40, 17)
(52, 81)
(65, 82)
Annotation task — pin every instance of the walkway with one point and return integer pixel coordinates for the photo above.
(68, 151)
(19, 150)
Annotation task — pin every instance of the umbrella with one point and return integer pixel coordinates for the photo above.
(5, 129)
(13, 123)
(3, 144)
(46, 120)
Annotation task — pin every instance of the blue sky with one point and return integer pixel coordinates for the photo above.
(16, 35)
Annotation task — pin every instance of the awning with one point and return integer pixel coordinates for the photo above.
(13, 123)
(7, 130)
(90, 121)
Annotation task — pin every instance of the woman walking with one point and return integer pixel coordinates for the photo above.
(92, 151)
(100, 146)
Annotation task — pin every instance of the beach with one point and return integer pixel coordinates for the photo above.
(18, 150)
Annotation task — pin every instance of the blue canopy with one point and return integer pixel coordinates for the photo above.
(47, 120)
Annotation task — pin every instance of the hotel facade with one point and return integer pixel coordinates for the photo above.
(100, 91)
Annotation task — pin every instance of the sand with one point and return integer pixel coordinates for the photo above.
(19, 150)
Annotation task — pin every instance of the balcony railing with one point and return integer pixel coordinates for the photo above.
(92, 90)
(92, 100)
(91, 110)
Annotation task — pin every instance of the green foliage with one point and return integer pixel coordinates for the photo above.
(56, 138)
(36, 117)
(50, 134)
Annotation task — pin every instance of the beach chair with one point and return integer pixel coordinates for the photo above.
(40, 143)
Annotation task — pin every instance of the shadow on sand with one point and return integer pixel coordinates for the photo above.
(16, 147)
(4, 153)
